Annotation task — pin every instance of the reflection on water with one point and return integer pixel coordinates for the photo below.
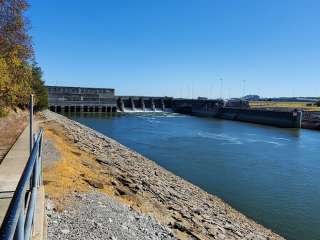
(270, 174)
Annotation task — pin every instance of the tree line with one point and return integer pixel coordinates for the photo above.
(20, 75)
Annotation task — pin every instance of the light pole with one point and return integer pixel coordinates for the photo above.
(31, 122)
(244, 88)
(221, 87)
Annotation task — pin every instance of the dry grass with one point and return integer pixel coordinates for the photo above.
(66, 176)
(269, 104)
(75, 168)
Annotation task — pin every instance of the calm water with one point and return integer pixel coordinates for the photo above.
(270, 174)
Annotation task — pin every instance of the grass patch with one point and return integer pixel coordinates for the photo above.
(3, 112)
(307, 106)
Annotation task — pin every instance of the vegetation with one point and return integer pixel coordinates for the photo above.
(19, 75)
(307, 106)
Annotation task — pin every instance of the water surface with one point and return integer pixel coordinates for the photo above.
(270, 174)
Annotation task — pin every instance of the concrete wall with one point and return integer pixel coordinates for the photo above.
(274, 118)
(206, 108)
(214, 108)
(311, 120)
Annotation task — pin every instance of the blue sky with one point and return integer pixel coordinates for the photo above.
(180, 48)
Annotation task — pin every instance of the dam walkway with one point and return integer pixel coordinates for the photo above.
(11, 169)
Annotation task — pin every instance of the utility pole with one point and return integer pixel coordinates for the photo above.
(31, 123)
(211, 93)
(244, 88)
(192, 90)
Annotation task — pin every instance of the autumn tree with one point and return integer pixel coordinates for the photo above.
(18, 76)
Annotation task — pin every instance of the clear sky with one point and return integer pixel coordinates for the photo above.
(180, 48)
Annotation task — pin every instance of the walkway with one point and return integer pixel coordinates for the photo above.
(11, 170)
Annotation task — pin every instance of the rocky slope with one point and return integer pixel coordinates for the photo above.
(188, 211)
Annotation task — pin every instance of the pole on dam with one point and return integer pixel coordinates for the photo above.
(31, 122)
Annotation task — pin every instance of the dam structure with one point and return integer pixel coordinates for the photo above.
(143, 104)
(83, 99)
(79, 99)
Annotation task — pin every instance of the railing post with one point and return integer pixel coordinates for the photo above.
(31, 122)
(40, 160)
(19, 235)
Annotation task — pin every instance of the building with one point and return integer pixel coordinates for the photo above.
(81, 99)
(237, 103)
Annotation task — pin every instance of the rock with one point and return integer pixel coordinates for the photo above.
(65, 231)
(121, 191)
(103, 160)
(179, 226)
(94, 183)
(197, 211)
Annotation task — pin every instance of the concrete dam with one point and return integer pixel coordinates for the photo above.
(143, 104)
(79, 99)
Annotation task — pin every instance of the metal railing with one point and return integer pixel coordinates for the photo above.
(19, 218)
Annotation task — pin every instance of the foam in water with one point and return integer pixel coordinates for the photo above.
(220, 136)
(139, 110)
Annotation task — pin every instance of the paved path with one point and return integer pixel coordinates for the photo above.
(11, 170)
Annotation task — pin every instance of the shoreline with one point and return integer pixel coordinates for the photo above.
(187, 210)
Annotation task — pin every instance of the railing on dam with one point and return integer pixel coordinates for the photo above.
(19, 218)
(18, 221)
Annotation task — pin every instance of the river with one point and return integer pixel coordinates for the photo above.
(270, 174)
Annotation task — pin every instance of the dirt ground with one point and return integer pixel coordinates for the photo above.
(11, 127)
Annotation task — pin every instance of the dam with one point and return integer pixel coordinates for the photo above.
(80, 99)
(83, 99)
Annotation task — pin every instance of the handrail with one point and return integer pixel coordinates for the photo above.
(16, 223)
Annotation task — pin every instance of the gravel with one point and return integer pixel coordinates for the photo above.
(97, 216)
(51, 154)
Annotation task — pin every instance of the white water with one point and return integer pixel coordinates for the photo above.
(139, 110)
